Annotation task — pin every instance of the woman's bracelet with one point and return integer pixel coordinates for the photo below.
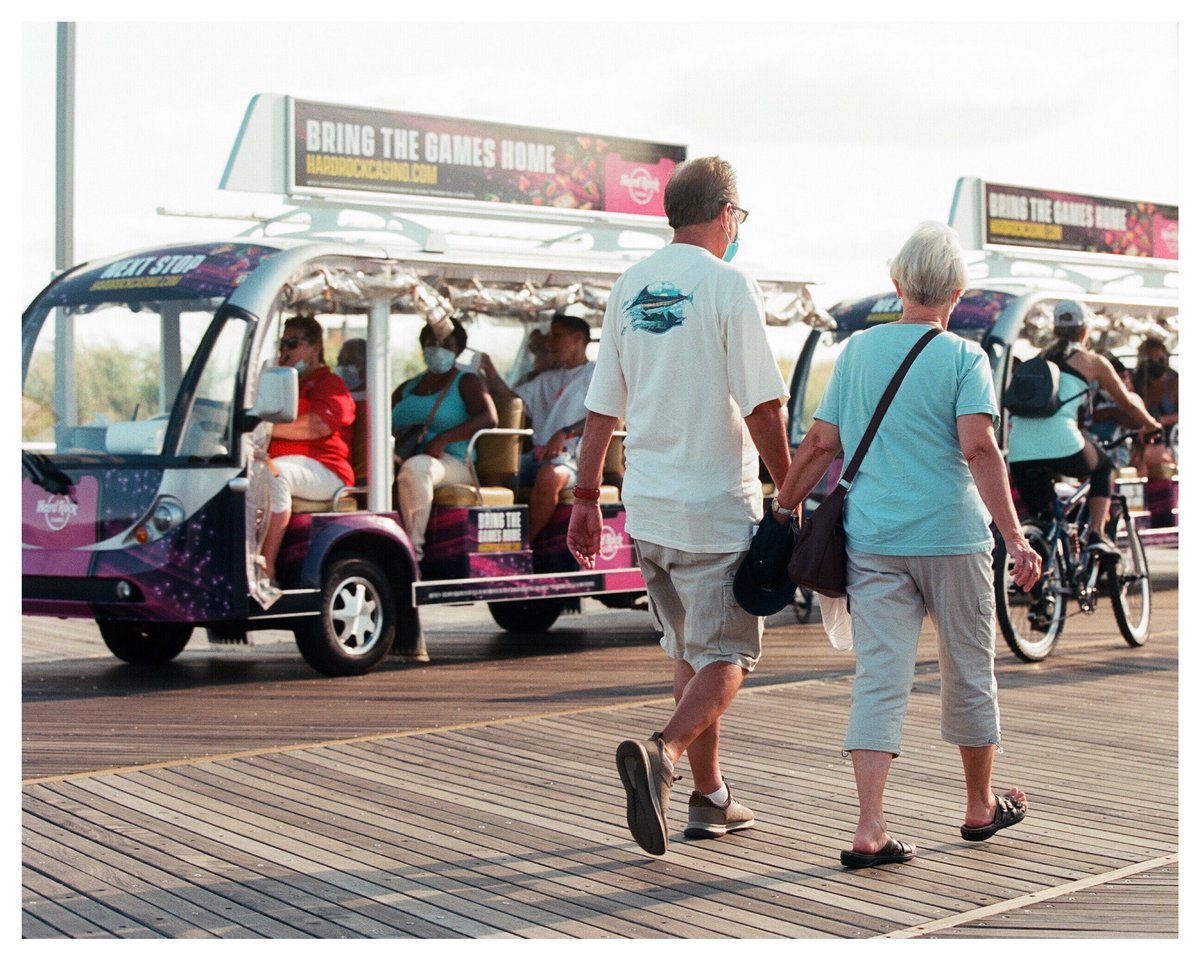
(591, 494)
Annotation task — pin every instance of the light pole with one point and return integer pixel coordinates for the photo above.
(66, 398)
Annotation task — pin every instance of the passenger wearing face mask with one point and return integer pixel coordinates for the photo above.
(1156, 383)
(1158, 386)
(441, 460)
(310, 457)
(351, 367)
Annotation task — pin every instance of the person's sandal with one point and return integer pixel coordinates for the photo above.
(1009, 812)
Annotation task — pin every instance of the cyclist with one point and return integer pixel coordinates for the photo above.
(1041, 448)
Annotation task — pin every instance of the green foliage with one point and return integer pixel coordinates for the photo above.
(110, 381)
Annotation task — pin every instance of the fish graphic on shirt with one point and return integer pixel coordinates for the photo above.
(658, 308)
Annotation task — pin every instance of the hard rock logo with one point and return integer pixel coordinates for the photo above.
(1170, 238)
(58, 511)
(642, 185)
(610, 542)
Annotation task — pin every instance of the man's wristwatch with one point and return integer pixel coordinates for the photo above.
(782, 511)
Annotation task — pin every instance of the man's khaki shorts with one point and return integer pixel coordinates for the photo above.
(691, 597)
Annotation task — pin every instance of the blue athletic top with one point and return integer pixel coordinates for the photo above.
(1049, 438)
(414, 408)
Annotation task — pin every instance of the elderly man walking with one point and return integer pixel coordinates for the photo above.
(684, 359)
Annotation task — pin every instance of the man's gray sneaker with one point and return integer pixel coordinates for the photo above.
(706, 820)
(647, 775)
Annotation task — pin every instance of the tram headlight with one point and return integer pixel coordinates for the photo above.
(167, 515)
(164, 516)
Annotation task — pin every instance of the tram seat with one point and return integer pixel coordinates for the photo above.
(764, 477)
(345, 500)
(358, 443)
(608, 494)
(497, 462)
(613, 472)
(614, 458)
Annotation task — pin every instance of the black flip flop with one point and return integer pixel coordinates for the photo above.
(894, 851)
(1008, 813)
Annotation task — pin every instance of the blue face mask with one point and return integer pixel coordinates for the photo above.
(732, 249)
(350, 376)
(300, 366)
(438, 359)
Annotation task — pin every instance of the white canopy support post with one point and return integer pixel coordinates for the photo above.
(379, 436)
(66, 393)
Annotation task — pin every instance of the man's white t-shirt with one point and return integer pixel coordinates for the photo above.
(554, 399)
(684, 358)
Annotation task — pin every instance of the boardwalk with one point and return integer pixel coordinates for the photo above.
(514, 827)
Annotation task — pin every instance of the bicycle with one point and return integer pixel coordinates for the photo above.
(1032, 621)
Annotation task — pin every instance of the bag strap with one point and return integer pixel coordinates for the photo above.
(884, 402)
(441, 397)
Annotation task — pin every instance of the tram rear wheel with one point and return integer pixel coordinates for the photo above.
(526, 616)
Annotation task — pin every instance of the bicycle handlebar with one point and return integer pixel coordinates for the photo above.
(1149, 436)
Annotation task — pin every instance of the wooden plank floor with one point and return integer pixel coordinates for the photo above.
(515, 827)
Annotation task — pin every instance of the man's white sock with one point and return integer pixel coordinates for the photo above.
(720, 797)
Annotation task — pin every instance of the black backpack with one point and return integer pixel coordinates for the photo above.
(1033, 389)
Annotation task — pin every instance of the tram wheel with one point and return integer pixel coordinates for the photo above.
(144, 643)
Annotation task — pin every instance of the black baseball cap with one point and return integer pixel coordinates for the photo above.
(761, 585)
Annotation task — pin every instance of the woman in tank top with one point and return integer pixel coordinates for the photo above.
(465, 407)
(1041, 448)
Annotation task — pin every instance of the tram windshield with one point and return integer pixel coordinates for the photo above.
(107, 350)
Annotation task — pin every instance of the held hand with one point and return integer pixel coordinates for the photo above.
(435, 448)
(555, 446)
(1027, 563)
(583, 534)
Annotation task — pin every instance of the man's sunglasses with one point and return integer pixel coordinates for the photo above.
(739, 214)
(291, 343)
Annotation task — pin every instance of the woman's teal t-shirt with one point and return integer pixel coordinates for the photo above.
(914, 494)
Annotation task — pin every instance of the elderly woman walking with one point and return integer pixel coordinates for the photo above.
(918, 539)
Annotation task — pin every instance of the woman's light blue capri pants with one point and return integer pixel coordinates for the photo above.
(889, 597)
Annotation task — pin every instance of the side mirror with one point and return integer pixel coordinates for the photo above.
(278, 396)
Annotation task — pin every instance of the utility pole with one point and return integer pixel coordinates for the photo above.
(66, 397)
(64, 176)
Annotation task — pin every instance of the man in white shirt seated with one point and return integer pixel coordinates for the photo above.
(554, 402)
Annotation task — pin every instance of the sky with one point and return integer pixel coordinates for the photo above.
(844, 135)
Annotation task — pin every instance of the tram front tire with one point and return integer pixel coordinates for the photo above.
(357, 622)
(526, 616)
(144, 643)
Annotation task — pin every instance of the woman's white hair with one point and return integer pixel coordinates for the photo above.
(930, 265)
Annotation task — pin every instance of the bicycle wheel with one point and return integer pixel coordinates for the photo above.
(1129, 582)
(1031, 621)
